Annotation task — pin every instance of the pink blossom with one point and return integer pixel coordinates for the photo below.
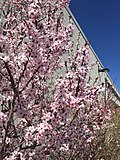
(47, 104)
(3, 117)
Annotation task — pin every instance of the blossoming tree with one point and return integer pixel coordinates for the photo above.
(44, 116)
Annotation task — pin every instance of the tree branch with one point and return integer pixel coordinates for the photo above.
(30, 79)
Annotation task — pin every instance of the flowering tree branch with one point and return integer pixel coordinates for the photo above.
(42, 115)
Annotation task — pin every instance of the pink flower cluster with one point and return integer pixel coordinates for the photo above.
(36, 133)
(47, 109)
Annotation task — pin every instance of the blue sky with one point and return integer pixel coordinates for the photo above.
(100, 21)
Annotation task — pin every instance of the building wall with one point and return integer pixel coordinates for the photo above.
(103, 76)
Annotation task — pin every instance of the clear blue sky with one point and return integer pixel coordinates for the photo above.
(100, 21)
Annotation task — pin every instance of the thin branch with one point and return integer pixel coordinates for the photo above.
(11, 105)
(11, 76)
(22, 74)
(78, 87)
(30, 79)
